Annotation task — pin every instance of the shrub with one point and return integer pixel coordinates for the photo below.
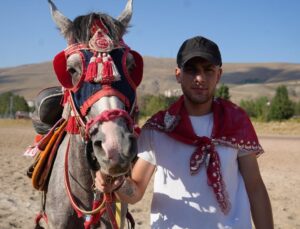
(297, 108)
(281, 107)
(11, 103)
(249, 107)
(223, 92)
(150, 104)
(257, 108)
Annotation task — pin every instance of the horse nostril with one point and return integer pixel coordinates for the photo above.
(98, 144)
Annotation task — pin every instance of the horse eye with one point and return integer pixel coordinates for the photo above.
(130, 63)
(72, 71)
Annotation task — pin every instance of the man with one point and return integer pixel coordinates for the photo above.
(202, 151)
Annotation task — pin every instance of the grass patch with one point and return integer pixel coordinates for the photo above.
(290, 127)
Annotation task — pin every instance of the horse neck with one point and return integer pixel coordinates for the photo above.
(78, 166)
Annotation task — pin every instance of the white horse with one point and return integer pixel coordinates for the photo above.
(99, 74)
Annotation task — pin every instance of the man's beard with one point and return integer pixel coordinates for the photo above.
(197, 99)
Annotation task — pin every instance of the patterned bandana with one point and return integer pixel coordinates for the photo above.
(232, 128)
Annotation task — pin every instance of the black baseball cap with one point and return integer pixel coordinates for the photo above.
(199, 47)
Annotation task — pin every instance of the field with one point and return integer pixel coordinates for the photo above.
(19, 202)
(284, 128)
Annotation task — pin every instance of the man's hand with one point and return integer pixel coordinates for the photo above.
(127, 189)
(108, 184)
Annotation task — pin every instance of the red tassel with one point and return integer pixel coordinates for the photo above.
(137, 130)
(107, 70)
(92, 70)
(37, 138)
(93, 219)
(72, 126)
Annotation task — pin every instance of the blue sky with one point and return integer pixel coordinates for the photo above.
(246, 30)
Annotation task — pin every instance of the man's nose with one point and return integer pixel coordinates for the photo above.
(199, 77)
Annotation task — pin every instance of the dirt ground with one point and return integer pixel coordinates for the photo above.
(19, 202)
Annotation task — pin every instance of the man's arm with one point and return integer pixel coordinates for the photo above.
(258, 196)
(132, 189)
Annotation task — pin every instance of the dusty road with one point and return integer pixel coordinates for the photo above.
(19, 202)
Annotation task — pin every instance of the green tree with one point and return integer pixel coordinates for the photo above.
(249, 107)
(281, 107)
(10, 103)
(223, 92)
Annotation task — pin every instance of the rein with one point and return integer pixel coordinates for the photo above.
(99, 206)
(104, 204)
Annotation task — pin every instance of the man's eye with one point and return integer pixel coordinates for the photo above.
(209, 70)
(189, 70)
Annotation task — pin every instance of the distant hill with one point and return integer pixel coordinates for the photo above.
(27, 80)
(245, 80)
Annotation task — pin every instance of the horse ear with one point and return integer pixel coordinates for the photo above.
(62, 22)
(125, 16)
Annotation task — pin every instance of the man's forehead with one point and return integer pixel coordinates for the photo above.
(198, 61)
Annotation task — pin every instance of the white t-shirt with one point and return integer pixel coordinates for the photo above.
(181, 200)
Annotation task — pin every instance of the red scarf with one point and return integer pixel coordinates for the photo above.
(232, 127)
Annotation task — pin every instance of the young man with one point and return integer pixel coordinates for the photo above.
(202, 152)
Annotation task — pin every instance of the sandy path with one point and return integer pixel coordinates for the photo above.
(19, 202)
(280, 168)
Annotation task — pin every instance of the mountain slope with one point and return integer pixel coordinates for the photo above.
(244, 80)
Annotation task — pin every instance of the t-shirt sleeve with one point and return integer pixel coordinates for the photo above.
(145, 146)
(242, 153)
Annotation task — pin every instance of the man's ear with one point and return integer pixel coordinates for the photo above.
(178, 74)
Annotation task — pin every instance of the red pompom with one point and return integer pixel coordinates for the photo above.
(92, 70)
(72, 126)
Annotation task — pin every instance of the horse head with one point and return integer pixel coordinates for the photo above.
(100, 74)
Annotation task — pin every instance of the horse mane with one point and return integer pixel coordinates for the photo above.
(79, 30)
